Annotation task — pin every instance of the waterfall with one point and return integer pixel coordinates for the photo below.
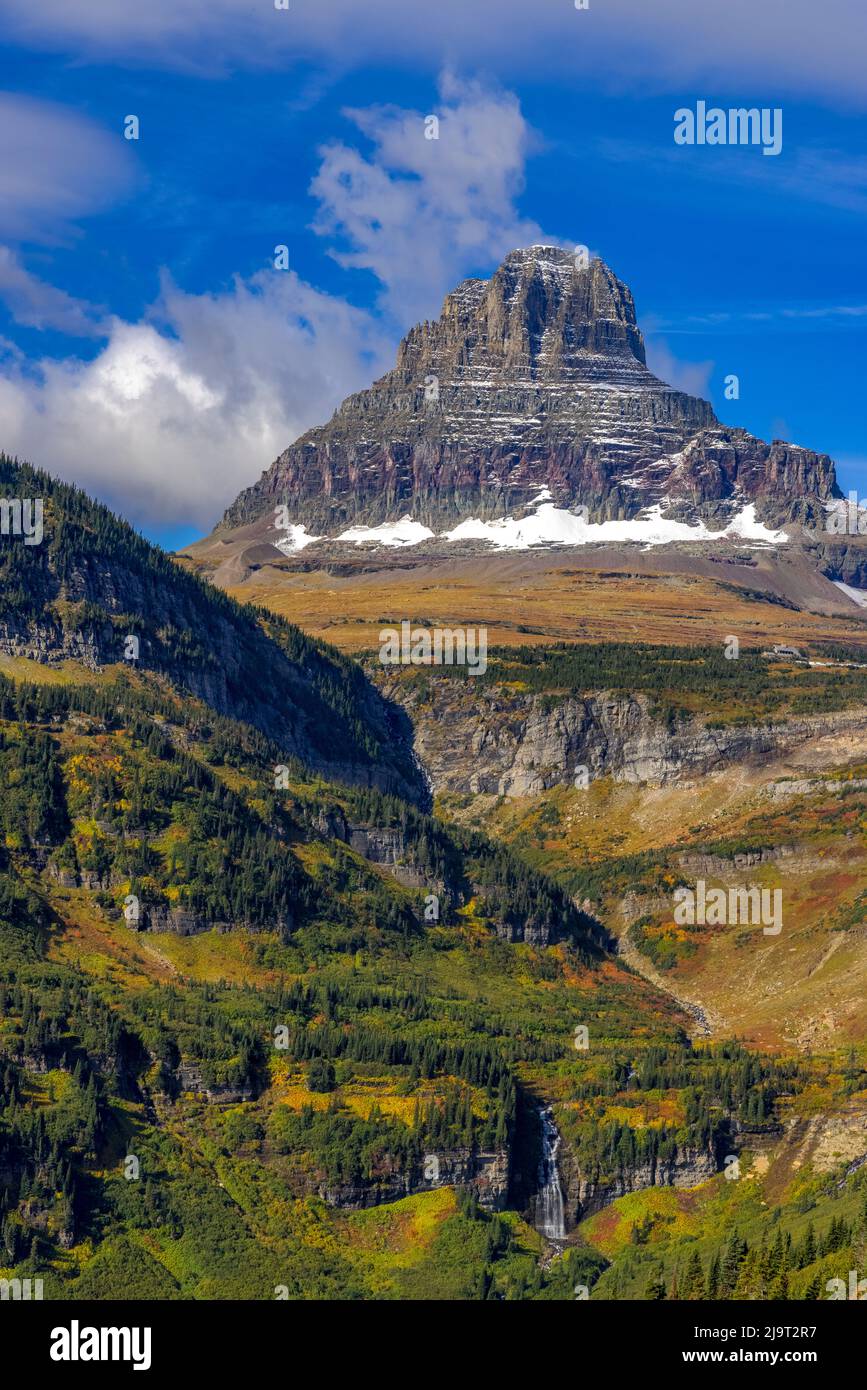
(550, 1218)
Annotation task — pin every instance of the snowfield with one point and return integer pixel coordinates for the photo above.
(552, 525)
(549, 526)
(858, 596)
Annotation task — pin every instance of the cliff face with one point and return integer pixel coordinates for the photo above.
(487, 1174)
(535, 379)
(585, 1195)
(520, 745)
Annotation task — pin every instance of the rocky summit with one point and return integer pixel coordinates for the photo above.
(526, 414)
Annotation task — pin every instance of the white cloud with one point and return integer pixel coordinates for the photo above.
(813, 174)
(828, 311)
(37, 305)
(55, 166)
(180, 411)
(723, 320)
(830, 177)
(421, 212)
(803, 48)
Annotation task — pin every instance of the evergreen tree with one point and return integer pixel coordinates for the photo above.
(693, 1283)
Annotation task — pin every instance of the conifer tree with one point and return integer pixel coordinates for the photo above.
(693, 1283)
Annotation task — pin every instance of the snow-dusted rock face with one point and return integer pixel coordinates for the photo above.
(531, 387)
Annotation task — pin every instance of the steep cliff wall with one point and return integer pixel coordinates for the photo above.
(586, 1194)
(487, 1174)
(510, 744)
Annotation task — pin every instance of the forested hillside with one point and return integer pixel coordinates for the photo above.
(95, 591)
(270, 1029)
(280, 1039)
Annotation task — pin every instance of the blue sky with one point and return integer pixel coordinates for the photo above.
(150, 350)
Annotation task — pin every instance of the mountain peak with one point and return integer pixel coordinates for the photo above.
(542, 310)
(531, 382)
(543, 259)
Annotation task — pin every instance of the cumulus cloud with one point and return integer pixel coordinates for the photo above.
(179, 411)
(421, 211)
(804, 48)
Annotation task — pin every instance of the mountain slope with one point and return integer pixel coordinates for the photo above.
(93, 583)
(264, 1034)
(158, 1141)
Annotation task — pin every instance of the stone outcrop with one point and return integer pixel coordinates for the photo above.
(387, 846)
(585, 1194)
(190, 1079)
(504, 743)
(487, 1174)
(714, 865)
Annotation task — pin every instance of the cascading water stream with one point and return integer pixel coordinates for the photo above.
(550, 1217)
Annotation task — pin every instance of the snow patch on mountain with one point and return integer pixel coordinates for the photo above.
(552, 525)
(549, 525)
(858, 596)
(295, 539)
(390, 533)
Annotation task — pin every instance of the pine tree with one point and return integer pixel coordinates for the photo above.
(813, 1289)
(731, 1264)
(693, 1284)
(809, 1252)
